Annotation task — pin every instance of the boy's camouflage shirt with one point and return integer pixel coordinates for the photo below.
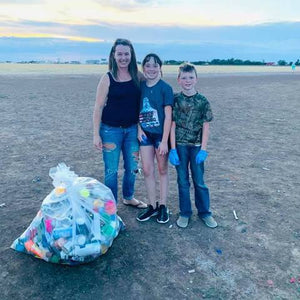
(189, 114)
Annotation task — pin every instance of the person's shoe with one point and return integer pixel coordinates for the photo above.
(182, 222)
(210, 222)
(135, 203)
(163, 214)
(147, 214)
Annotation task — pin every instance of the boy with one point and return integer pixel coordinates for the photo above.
(189, 136)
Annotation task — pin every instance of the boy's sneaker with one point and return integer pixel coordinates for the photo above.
(163, 214)
(210, 222)
(182, 222)
(147, 214)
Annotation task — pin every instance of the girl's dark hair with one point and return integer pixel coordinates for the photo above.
(132, 67)
(156, 58)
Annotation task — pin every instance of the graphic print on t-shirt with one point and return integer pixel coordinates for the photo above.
(148, 115)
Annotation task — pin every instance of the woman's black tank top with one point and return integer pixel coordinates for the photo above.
(122, 106)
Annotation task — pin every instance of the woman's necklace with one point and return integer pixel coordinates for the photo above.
(123, 77)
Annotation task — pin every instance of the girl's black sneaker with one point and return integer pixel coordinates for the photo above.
(147, 214)
(163, 214)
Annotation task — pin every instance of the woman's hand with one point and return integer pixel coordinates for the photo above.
(97, 142)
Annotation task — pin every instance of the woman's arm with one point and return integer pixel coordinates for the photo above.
(101, 96)
(163, 146)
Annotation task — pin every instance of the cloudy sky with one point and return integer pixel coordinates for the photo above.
(188, 30)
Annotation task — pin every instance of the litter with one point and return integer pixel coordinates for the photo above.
(270, 282)
(77, 221)
(219, 251)
(235, 215)
(191, 271)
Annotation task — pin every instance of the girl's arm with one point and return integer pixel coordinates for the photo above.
(141, 133)
(163, 146)
(101, 95)
(205, 134)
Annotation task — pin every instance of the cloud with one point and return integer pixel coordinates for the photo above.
(27, 2)
(270, 41)
(129, 4)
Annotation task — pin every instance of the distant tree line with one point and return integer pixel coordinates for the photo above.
(215, 61)
(232, 62)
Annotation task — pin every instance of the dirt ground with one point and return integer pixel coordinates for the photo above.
(252, 168)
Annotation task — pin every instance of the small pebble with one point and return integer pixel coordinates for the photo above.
(270, 282)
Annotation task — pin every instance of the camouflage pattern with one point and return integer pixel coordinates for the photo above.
(189, 114)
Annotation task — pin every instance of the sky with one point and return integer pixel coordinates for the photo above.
(184, 30)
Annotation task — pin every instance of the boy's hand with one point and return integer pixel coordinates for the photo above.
(201, 156)
(174, 158)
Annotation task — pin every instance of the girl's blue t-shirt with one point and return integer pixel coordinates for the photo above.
(153, 101)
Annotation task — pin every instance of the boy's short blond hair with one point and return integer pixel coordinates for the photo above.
(186, 67)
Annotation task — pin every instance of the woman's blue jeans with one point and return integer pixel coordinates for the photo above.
(187, 155)
(115, 140)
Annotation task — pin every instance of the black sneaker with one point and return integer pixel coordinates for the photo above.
(147, 214)
(163, 214)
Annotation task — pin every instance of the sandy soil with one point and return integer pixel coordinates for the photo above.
(253, 168)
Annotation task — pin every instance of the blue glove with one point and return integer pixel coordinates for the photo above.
(201, 156)
(173, 157)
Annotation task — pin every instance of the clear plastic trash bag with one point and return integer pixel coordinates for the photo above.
(77, 221)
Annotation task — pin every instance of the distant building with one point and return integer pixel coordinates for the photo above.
(102, 61)
(93, 62)
(270, 63)
(75, 62)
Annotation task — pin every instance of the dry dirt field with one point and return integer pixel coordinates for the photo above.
(252, 168)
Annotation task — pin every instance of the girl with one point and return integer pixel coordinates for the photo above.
(115, 120)
(153, 133)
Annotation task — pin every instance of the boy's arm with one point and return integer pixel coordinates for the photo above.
(173, 156)
(172, 135)
(205, 134)
(202, 154)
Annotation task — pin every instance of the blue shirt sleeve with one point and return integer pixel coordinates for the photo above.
(168, 95)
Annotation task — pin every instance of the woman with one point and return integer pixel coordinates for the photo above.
(115, 120)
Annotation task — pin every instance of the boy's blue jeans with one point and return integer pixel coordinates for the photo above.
(115, 140)
(187, 155)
